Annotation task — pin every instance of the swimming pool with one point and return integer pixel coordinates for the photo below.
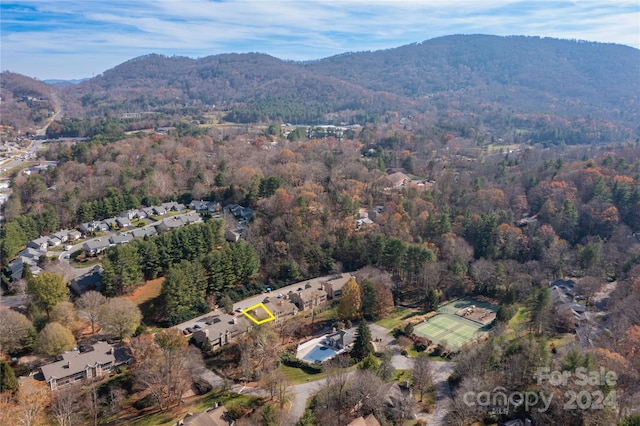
(320, 353)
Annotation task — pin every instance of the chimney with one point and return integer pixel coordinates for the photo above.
(68, 364)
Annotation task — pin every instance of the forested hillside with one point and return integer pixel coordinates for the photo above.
(540, 90)
(525, 73)
(26, 102)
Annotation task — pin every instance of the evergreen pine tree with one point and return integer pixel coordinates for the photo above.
(362, 346)
(8, 381)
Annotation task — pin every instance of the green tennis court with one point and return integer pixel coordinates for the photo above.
(451, 330)
(455, 306)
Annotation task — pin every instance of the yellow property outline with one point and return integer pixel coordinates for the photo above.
(270, 317)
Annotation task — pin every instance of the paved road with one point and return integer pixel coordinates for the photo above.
(441, 372)
(14, 301)
(299, 396)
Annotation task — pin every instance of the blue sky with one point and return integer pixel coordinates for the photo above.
(74, 39)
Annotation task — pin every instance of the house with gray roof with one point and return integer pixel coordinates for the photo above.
(159, 210)
(172, 206)
(54, 241)
(120, 239)
(93, 247)
(191, 218)
(220, 329)
(74, 235)
(147, 231)
(148, 211)
(130, 214)
(170, 224)
(199, 205)
(17, 266)
(63, 235)
(123, 222)
(77, 366)
(111, 222)
(565, 305)
(86, 282)
(39, 243)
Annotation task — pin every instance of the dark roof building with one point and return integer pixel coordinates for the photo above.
(78, 366)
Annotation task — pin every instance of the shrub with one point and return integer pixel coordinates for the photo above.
(236, 411)
(201, 386)
(146, 402)
(506, 312)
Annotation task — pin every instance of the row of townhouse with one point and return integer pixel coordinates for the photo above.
(40, 245)
(221, 328)
(36, 249)
(54, 240)
(97, 246)
(124, 219)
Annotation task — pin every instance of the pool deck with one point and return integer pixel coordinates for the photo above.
(307, 347)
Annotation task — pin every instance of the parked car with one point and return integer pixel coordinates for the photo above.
(197, 327)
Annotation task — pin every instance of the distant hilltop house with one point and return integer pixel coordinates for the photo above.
(397, 179)
(77, 366)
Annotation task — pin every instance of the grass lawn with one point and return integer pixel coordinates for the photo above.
(397, 316)
(196, 405)
(298, 376)
(329, 314)
(401, 376)
(83, 264)
(562, 340)
(227, 398)
(145, 297)
(139, 223)
(165, 418)
(519, 318)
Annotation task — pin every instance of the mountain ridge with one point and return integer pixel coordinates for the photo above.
(522, 74)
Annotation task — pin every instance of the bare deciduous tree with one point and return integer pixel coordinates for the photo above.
(32, 399)
(89, 305)
(422, 376)
(64, 406)
(165, 366)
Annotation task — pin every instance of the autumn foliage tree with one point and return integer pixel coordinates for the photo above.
(350, 301)
(48, 289)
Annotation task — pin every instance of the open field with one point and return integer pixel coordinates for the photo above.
(452, 330)
(145, 297)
